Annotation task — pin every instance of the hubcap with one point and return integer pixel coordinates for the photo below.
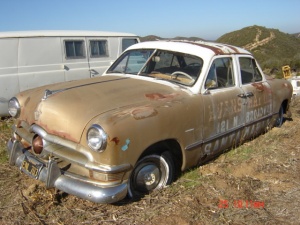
(148, 177)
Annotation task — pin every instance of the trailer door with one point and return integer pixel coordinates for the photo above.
(75, 59)
(102, 51)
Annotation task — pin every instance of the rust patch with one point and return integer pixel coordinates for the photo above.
(158, 96)
(258, 86)
(57, 133)
(143, 112)
(233, 48)
(116, 140)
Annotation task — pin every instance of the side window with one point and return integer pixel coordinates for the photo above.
(249, 71)
(74, 49)
(128, 42)
(220, 74)
(98, 48)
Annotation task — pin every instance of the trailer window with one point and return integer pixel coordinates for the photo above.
(128, 42)
(74, 49)
(98, 48)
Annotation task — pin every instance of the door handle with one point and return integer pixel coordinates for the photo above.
(93, 72)
(246, 95)
(65, 67)
(249, 94)
(241, 96)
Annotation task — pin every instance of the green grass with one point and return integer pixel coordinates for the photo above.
(191, 178)
(4, 136)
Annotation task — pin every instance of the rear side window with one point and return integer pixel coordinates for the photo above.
(249, 70)
(74, 49)
(98, 48)
(128, 42)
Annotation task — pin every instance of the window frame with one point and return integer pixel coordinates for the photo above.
(215, 83)
(254, 69)
(83, 56)
(106, 48)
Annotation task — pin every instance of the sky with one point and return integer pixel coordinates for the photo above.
(208, 19)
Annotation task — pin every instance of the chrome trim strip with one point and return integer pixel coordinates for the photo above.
(202, 142)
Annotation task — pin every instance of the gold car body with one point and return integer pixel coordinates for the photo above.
(193, 120)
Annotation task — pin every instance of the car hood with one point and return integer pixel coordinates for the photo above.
(64, 109)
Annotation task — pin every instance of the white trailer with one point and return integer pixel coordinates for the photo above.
(29, 59)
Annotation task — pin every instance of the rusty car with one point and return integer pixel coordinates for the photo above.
(162, 107)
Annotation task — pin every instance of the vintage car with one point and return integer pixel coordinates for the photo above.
(161, 107)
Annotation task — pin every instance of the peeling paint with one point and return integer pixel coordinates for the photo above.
(258, 86)
(125, 147)
(158, 96)
(143, 112)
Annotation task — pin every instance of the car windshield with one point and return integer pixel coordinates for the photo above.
(160, 64)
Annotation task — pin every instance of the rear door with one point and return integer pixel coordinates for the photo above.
(75, 58)
(257, 97)
(102, 51)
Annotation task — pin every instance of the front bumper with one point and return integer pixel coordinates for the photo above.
(52, 176)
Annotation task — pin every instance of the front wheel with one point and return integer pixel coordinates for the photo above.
(150, 173)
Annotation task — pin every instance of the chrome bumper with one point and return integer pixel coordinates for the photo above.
(52, 176)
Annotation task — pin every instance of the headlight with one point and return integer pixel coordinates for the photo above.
(14, 107)
(96, 138)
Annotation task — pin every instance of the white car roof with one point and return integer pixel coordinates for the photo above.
(62, 33)
(198, 48)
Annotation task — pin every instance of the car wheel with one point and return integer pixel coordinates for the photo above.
(279, 120)
(150, 173)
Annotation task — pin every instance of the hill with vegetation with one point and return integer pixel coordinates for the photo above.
(155, 38)
(272, 48)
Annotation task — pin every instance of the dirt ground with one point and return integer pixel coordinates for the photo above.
(256, 183)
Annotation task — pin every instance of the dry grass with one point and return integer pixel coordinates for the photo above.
(256, 183)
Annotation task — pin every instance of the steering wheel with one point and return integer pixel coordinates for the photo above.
(175, 74)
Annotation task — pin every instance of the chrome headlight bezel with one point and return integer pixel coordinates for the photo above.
(14, 107)
(96, 138)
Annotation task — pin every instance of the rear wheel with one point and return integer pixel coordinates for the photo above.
(279, 120)
(150, 173)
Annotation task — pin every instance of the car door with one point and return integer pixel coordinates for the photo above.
(257, 96)
(223, 108)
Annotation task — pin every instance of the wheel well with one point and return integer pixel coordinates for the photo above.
(285, 106)
(171, 146)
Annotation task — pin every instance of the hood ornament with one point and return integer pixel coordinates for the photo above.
(49, 93)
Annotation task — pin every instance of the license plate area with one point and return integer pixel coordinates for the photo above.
(31, 167)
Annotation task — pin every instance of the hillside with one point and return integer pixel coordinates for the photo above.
(154, 38)
(272, 48)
